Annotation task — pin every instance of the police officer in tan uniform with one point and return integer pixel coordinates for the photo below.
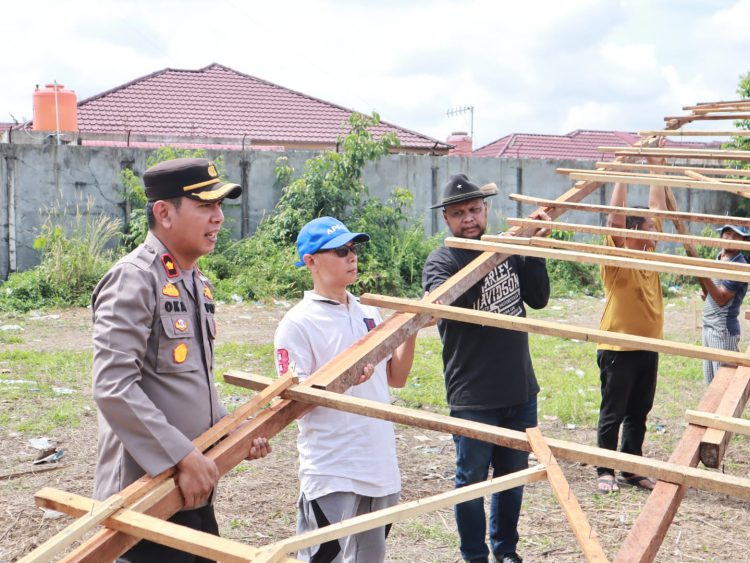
(154, 333)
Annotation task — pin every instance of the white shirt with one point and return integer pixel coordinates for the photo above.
(338, 451)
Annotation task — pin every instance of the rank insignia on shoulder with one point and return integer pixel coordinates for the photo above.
(207, 293)
(180, 353)
(181, 325)
(170, 290)
(169, 265)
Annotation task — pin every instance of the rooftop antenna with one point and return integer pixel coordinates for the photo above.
(462, 110)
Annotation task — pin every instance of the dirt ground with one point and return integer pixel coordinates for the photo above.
(256, 501)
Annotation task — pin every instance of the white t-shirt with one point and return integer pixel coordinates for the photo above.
(338, 451)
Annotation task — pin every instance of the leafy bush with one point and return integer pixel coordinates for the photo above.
(261, 266)
(74, 257)
(568, 278)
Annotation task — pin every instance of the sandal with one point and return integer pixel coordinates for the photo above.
(639, 481)
(606, 484)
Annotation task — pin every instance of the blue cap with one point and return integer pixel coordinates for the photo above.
(742, 231)
(324, 233)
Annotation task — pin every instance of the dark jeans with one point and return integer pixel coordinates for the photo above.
(202, 519)
(473, 460)
(628, 387)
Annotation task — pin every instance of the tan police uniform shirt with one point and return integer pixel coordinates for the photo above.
(153, 366)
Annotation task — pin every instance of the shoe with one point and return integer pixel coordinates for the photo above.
(606, 484)
(637, 481)
(512, 557)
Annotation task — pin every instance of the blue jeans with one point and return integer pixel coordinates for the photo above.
(473, 460)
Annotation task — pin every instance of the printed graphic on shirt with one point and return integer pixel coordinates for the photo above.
(369, 323)
(170, 290)
(180, 353)
(501, 292)
(282, 359)
(181, 325)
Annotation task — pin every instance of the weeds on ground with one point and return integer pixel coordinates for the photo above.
(75, 255)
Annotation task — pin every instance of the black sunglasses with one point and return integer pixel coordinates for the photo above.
(343, 251)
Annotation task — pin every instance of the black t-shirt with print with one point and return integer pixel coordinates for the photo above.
(487, 367)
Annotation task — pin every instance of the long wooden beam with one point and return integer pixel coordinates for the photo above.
(692, 133)
(499, 244)
(339, 372)
(650, 528)
(704, 106)
(633, 234)
(634, 211)
(687, 118)
(630, 253)
(584, 533)
(398, 513)
(653, 180)
(713, 420)
(572, 451)
(549, 328)
(709, 171)
(714, 442)
(153, 529)
(57, 543)
(161, 485)
(709, 154)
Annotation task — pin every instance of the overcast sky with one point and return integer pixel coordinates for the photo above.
(526, 66)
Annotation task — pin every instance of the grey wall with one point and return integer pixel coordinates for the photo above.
(36, 179)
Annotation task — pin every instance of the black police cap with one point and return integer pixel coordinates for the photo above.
(196, 178)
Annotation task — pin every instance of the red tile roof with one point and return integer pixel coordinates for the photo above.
(217, 101)
(580, 144)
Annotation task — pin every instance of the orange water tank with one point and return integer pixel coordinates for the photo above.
(47, 110)
(462, 143)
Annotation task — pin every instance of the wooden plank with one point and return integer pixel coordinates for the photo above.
(652, 180)
(714, 443)
(57, 543)
(713, 420)
(152, 529)
(614, 165)
(646, 535)
(642, 254)
(706, 106)
(399, 513)
(549, 328)
(709, 154)
(159, 496)
(499, 244)
(572, 451)
(584, 533)
(634, 211)
(108, 544)
(708, 117)
(692, 133)
(633, 234)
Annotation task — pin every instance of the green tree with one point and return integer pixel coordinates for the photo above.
(261, 266)
(741, 206)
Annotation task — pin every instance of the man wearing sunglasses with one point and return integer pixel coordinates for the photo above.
(488, 373)
(348, 462)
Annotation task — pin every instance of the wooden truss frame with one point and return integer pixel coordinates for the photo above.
(139, 511)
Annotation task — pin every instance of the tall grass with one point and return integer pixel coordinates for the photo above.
(75, 255)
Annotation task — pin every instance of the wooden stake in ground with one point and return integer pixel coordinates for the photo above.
(585, 534)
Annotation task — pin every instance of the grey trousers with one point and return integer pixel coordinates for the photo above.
(717, 339)
(365, 547)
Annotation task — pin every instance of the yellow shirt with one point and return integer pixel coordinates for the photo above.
(634, 303)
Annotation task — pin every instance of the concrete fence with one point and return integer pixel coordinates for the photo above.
(37, 179)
